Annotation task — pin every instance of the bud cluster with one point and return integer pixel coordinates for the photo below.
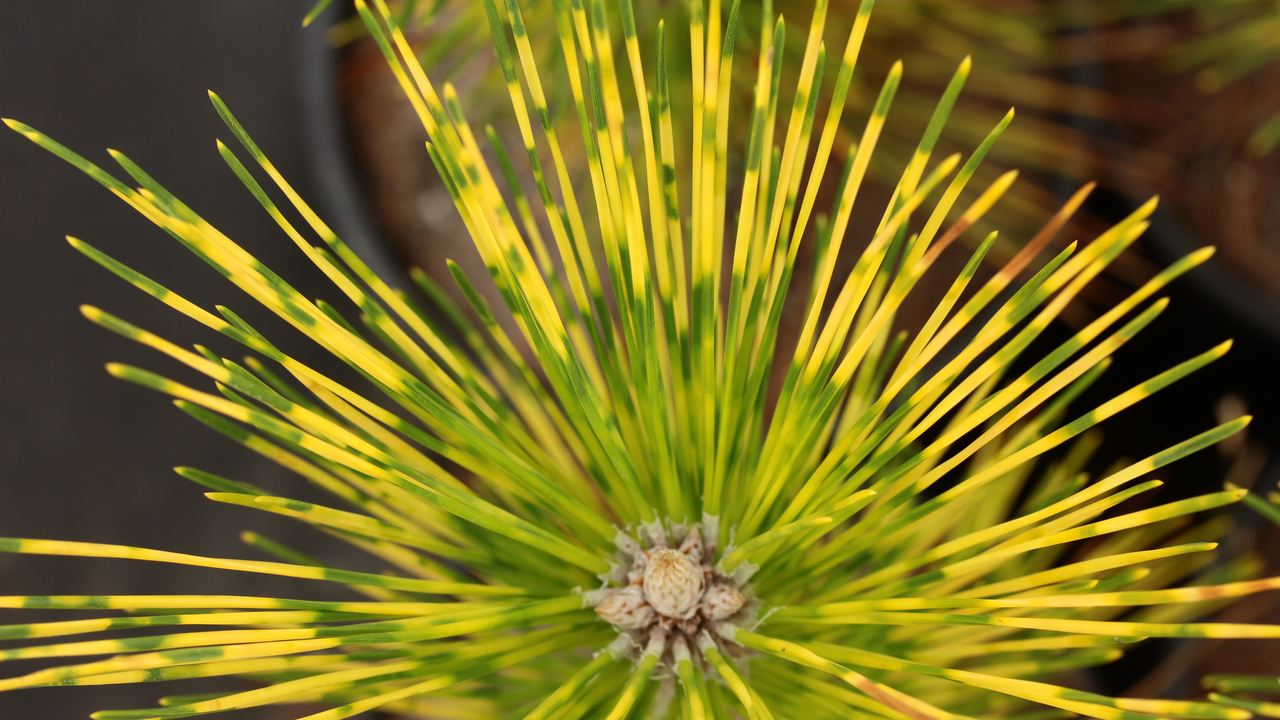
(667, 594)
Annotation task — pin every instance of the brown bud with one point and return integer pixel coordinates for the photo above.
(722, 601)
(692, 545)
(673, 584)
(625, 609)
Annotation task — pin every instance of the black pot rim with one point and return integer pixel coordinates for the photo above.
(334, 173)
(1250, 305)
(1169, 239)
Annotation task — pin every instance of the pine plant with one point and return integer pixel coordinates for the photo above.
(596, 501)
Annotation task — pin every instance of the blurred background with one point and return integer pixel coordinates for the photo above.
(1146, 96)
(83, 456)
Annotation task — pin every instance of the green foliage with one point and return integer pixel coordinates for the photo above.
(907, 514)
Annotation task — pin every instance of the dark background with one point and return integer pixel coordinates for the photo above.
(84, 456)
